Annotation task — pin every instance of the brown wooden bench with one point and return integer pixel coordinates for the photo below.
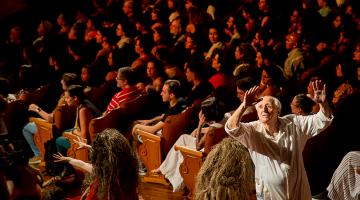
(193, 159)
(154, 148)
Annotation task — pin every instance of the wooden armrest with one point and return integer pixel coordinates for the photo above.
(147, 135)
(45, 132)
(73, 151)
(37, 119)
(189, 151)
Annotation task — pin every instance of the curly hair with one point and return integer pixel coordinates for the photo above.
(227, 173)
(114, 166)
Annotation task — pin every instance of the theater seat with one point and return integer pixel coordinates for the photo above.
(193, 159)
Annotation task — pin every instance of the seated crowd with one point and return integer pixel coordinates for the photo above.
(281, 83)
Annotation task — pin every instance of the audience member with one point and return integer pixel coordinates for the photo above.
(302, 104)
(276, 143)
(227, 173)
(85, 111)
(30, 128)
(126, 81)
(211, 113)
(113, 167)
(171, 93)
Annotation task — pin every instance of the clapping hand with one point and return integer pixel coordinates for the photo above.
(319, 91)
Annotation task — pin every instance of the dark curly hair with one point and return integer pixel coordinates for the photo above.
(115, 166)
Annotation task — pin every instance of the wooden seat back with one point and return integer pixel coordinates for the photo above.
(45, 132)
(174, 126)
(214, 136)
(64, 118)
(154, 148)
(193, 159)
(100, 96)
(120, 118)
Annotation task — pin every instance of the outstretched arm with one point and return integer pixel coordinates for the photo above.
(74, 162)
(249, 98)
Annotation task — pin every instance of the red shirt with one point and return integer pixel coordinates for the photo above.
(124, 95)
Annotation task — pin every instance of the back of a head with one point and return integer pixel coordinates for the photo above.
(245, 83)
(213, 109)
(128, 74)
(70, 79)
(305, 103)
(76, 91)
(174, 87)
(227, 173)
(114, 165)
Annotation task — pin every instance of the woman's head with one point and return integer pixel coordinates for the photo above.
(74, 95)
(114, 165)
(213, 109)
(227, 173)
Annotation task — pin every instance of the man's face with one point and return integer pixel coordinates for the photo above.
(266, 110)
(120, 80)
(165, 93)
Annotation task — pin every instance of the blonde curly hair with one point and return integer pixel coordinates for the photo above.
(227, 173)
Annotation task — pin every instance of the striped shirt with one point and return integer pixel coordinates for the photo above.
(123, 96)
(345, 182)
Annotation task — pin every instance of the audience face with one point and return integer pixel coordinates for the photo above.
(189, 43)
(240, 94)
(175, 27)
(70, 101)
(213, 35)
(165, 93)
(151, 70)
(215, 62)
(110, 59)
(121, 82)
(190, 76)
(85, 76)
(119, 30)
(266, 110)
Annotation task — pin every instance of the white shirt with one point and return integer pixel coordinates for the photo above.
(279, 168)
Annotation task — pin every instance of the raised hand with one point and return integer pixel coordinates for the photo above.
(250, 95)
(60, 158)
(319, 91)
(81, 144)
(33, 107)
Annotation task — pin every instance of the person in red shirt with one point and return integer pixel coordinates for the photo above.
(126, 80)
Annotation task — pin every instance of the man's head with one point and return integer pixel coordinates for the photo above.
(171, 90)
(125, 77)
(268, 109)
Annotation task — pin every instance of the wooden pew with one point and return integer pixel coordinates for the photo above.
(154, 148)
(120, 118)
(73, 151)
(63, 118)
(193, 159)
